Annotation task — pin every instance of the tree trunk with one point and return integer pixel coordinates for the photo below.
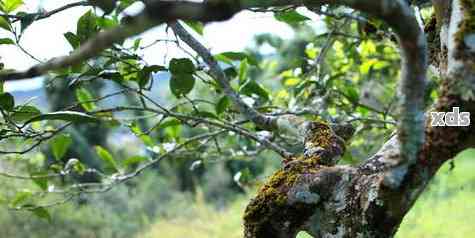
(371, 199)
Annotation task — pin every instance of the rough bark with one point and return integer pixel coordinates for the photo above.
(371, 199)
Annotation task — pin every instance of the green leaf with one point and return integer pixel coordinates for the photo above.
(20, 198)
(251, 87)
(41, 182)
(5, 24)
(146, 139)
(181, 84)
(181, 66)
(85, 99)
(73, 39)
(352, 94)
(134, 160)
(243, 70)
(196, 26)
(24, 113)
(107, 158)
(205, 114)
(290, 17)
(7, 102)
(42, 213)
(79, 168)
(6, 41)
(137, 43)
(169, 122)
(228, 57)
(70, 116)
(146, 74)
(86, 26)
(27, 19)
(60, 145)
(154, 68)
(222, 105)
(11, 5)
(106, 23)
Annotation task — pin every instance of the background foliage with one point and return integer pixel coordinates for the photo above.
(344, 71)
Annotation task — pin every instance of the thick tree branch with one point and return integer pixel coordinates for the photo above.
(155, 13)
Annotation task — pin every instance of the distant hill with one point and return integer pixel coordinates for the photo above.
(36, 95)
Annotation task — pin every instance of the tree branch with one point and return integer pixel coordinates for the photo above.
(395, 12)
(263, 121)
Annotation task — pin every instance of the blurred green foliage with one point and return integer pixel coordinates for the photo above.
(445, 209)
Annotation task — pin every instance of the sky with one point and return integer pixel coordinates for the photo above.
(44, 39)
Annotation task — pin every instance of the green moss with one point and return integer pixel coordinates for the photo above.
(467, 26)
(271, 209)
(433, 39)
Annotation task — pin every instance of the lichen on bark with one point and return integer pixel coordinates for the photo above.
(287, 201)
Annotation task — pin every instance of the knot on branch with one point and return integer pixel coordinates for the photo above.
(325, 143)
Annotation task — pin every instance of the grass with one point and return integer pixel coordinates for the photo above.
(446, 209)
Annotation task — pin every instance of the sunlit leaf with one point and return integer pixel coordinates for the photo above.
(290, 17)
(243, 71)
(85, 98)
(20, 198)
(107, 158)
(293, 81)
(230, 56)
(5, 24)
(11, 5)
(134, 160)
(6, 41)
(60, 145)
(198, 27)
(146, 139)
(169, 122)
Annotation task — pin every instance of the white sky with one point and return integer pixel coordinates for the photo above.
(44, 39)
